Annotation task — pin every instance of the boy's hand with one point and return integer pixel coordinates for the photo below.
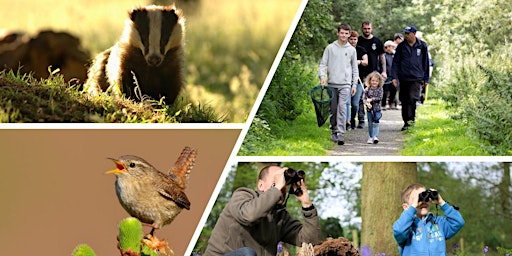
(413, 200)
(439, 200)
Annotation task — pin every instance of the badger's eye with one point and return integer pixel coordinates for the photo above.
(132, 165)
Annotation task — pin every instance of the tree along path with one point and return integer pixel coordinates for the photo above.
(391, 139)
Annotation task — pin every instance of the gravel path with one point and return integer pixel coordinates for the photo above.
(391, 139)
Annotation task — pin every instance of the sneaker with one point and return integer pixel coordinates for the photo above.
(360, 125)
(341, 140)
(405, 127)
(375, 140)
(348, 127)
(370, 140)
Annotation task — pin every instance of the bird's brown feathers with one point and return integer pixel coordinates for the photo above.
(173, 188)
(181, 170)
(169, 191)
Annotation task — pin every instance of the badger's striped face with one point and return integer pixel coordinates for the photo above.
(155, 30)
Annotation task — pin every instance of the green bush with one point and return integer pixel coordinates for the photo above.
(287, 95)
(479, 93)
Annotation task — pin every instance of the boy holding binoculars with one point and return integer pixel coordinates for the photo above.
(418, 231)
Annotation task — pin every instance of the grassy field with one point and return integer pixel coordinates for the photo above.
(230, 44)
(437, 134)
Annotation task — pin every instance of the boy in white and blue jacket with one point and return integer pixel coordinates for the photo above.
(418, 231)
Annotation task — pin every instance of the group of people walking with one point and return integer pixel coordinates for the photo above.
(364, 75)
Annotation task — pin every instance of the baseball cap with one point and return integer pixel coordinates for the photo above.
(410, 29)
(399, 35)
(388, 43)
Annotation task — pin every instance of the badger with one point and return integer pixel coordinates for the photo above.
(147, 60)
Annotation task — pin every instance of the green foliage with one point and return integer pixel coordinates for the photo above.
(315, 30)
(52, 100)
(478, 92)
(83, 250)
(473, 53)
(288, 93)
(301, 137)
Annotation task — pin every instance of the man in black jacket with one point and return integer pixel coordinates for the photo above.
(411, 68)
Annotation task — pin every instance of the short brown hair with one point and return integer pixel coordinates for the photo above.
(407, 191)
(354, 33)
(344, 27)
(366, 22)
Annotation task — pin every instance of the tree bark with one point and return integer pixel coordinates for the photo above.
(381, 204)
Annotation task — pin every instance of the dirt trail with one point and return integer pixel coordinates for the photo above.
(391, 139)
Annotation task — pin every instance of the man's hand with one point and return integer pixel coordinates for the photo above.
(353, 91)
(322, 82)
(395, 83)
(304, 198)
(279, 180)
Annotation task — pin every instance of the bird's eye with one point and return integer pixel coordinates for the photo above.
(132, 165)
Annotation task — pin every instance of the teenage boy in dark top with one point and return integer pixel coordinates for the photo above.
(376, 59)
(411, 69)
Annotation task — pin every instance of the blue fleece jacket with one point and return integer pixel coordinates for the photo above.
(427, 236)
(411, 63)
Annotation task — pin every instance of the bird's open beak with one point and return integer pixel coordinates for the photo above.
(120, 168)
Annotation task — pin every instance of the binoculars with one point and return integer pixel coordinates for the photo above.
(426, 195)
(293, 177)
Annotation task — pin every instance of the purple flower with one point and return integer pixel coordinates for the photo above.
(280, 247)
(456, 246)
(486, 250)
(365, 251)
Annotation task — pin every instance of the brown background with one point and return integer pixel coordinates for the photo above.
(54, 194)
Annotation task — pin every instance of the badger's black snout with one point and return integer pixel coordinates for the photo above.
(154, 60)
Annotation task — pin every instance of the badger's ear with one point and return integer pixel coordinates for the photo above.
(136, 12)
(170, 15)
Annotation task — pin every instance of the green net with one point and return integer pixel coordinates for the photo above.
(321, 97)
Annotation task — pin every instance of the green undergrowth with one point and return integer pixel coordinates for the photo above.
(24, 99)
(300, 137)
(437, 133)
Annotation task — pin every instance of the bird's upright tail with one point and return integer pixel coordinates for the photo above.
(184, 165)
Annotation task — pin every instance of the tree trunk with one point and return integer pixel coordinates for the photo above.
(504, 188)
(381, 203)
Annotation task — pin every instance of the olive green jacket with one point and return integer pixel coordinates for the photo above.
(251, 219)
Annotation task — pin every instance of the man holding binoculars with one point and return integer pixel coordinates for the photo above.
(254, 221)
(418, 231)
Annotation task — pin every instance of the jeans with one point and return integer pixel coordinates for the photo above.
(244, 251)
(373, 123)
(338, 115)
(354, 101)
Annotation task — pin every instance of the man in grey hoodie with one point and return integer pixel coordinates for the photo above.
(338, 69)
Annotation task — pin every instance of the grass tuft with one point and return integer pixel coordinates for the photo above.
(53, 100)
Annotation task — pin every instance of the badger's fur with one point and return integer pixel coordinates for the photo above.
(151, 50)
